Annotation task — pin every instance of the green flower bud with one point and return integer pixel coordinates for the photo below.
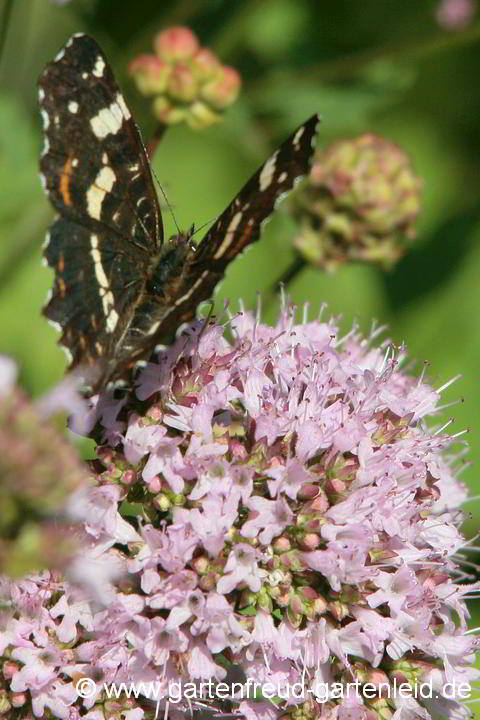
(205, 65)
(181, 83)
(166, 112)
(5, 705)
(150, 74)
(201, 115)
(223, 89)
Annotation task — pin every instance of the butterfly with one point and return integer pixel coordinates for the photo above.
(120, 287)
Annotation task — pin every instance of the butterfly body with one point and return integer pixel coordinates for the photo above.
(120, 288)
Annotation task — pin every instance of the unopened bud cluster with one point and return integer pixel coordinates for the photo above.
(360, 203)
(38, 472)
(188, 82)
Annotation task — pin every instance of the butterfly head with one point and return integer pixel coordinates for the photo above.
(182, 240)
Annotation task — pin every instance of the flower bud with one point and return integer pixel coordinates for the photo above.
(9, 668)
(222, 90)
(5, 705)
(129, 477)
(378, 677)
(18, 699)
(309, 491)
(281, 545)
(205, 65)
(200, 564)
(181, 83)
(162, 502)
(310, 541)
(201, 115)
(188, 82)
(319, 605)
(208, 582)
(166, 111)
(176, 43)
(338, 610)
(360, 203)
(150, 74)
(379, 709)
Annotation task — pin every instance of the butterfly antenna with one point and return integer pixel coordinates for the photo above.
(167, 203)
(209, 222)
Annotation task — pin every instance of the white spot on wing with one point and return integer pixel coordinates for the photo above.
(46, 242)
(153, 329)
(59, 55)
(45, 119)
(102, 184)
(105, 293)
(99, 66)
(74, 162)
(228, 235)
(73, 106)
(41, 94)
(84, 75)
(192, 289)
(55, 325)
(282, 177)
(123, 106)
(297, 136)
(107, 121)
(268, 172)
(112, 318)
(67, 353)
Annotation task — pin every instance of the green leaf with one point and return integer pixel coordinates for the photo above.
(249, 610)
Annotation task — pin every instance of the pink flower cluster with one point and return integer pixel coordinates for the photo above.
(272, 504)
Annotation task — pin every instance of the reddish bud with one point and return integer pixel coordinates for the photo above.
(205, 65)
(378, 677)
(281, 544)
(129, 477)
(176, 43)
(308, 492)
(150, 74)
(208, 582)
(310, 541)
(18, 699)
(222, 90)
(9, 669)
(181, 83)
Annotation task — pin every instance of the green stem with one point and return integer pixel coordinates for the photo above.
(155, 139)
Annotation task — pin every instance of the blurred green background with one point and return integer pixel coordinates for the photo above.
(384, 66)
